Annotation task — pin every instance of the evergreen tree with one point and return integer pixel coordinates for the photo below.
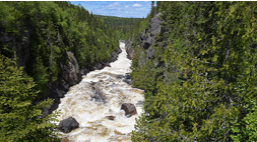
(20, 119)
(206, 89)
(46, 31)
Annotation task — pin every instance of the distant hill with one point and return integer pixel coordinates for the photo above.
(123, 26)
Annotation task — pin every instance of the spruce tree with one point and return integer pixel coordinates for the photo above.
(20, 118)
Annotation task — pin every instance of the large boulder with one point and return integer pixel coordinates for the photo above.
(129, 109)
(69, 124)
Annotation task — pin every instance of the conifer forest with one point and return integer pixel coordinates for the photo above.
(195, 63)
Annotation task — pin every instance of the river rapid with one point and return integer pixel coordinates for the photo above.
(100, 94)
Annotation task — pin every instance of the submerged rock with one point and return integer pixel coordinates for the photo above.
(111, 117)
(127, 79)
(127, 76)
(129, 109)
(99, 97)
(120, 76)
(69, 124)
(107, 65)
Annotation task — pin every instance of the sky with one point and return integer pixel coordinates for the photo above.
(135, 9)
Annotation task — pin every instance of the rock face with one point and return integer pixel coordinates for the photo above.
(147, 41)
(155, 28)
(129, 109)
(69, 124)
(146, 38)
(129, 49)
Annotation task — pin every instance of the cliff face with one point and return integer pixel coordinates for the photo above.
(146, 39)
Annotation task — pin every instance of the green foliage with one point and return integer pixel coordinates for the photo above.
(246, 129)
(206, 84)
(145, 77)
(123, 27)
(20, 120)
(40, 74)
(43, 32)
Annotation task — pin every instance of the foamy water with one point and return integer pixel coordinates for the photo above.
(101, 93)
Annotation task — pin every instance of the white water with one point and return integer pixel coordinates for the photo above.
(81, 104)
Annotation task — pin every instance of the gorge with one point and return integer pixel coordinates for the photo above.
(186, 72)
(100, 94)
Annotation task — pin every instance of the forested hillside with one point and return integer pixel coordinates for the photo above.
(197, 62)
(123, 27)
(54, 44)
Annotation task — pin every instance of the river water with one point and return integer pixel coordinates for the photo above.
(100, 94)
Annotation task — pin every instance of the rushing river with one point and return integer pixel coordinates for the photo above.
(100, 94)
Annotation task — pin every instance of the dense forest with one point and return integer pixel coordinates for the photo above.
(124, 27)
(45, 47)
(47, 30)
(199, 74)
(196, 62)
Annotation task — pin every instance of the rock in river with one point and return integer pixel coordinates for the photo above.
(129, 109)
(69, 124)
(111, 117)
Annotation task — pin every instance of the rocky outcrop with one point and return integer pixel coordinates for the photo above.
(68, 76)
(129, 109)
(147, 38)
(129, 49)
(69, 124)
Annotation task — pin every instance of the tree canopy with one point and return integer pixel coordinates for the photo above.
(43, 32)
(203, 88)
(20, 119)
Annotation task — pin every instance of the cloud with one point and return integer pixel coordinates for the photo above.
(137, 9)
(137, 5)
(116, 3)
(113, 4)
